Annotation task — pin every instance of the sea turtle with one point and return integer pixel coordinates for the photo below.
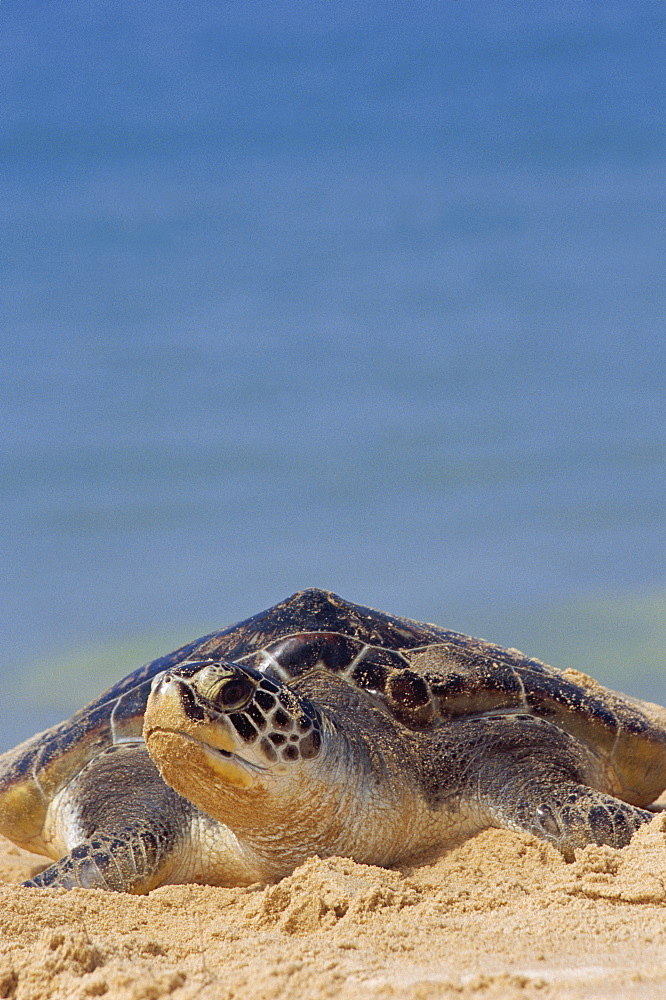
(324, 727)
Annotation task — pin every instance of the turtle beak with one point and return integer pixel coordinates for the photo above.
(197, 706)
(176, 723)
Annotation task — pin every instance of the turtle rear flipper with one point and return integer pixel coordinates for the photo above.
(123, 827)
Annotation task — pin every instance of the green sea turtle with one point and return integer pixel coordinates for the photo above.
(324, 727)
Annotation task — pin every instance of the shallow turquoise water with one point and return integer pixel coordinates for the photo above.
(355, 297)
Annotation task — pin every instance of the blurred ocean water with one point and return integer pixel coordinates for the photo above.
(356, 297)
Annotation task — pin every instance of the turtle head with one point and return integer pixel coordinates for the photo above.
(222, 725)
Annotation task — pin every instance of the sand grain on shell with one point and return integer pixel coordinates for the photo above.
(499, 917)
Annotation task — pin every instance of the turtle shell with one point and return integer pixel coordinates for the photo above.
(423, 675)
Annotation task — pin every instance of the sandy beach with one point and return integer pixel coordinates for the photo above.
(499, 916)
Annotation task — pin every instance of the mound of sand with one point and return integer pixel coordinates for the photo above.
(499, 917)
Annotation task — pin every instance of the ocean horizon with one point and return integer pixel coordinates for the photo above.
(363, 298)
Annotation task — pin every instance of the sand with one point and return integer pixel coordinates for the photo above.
(499, 916)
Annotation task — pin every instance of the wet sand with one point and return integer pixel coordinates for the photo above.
(499, 916)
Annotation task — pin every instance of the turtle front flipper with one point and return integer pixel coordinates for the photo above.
(537, 778)
(123, 828)
(127, 862)
(572, 815)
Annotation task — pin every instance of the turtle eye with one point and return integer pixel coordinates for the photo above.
(235, 693)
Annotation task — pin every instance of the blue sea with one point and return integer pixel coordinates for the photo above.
(361, 296)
